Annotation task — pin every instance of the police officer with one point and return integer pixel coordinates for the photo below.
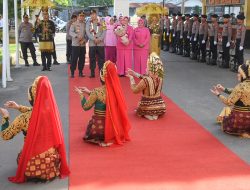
(78, 34)
(167, 32)
(213, 38)
(203, 33)
(25, 34)
(173, 33)
(240, 39)
(187, 35)
(69, 38)
(179, 34)
(226, 40)
(195, 35)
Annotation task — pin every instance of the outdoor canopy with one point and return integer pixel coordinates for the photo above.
(150, 9)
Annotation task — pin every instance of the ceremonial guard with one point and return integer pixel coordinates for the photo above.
(179, 35)
(173, 33)
(46, 30)
(213, 39)
(79, 39)
(240, 39)
(167, 33)
(96, 34)
(203, 33)
(195, 35)
(226, 40)
(187, 35)
(25, 33)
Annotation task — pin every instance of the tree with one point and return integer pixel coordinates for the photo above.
(11, 7)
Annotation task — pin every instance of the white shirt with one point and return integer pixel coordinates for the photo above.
(1, 23)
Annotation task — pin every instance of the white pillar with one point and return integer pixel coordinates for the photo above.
(121, 7)
(16, 34)
(28, 11)
(183, 7)
(22, 10)
(5, 45)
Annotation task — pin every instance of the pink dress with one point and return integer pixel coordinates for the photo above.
(110, 42)
(124, 52)
(141, 37)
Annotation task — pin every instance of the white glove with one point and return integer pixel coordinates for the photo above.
(228, 44)
(241, 48)
(188, 37)
(215, 43)
(181, 37)
(167, 34)
(173, 35)
(203, 41)
(195, 39)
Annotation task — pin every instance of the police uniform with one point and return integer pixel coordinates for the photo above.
(79, 39)
(173, 34)
(186, 35)
(25, 34)
(213, 39)
(226, 40)
(195, 35)
(166, 33)
(240, 40)
(203, 33)
(179, 35)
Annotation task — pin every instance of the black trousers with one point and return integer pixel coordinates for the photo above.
(239, 54)
(194, 46)
(226, 51)
(69, 49)
(54, 53)
(96, 52)
(179, 42)
(78, 56)
(46, 59)
(31, 47)
(202, 47)
(173, 41)
(166, 41)
(186, 44)
(213, 48)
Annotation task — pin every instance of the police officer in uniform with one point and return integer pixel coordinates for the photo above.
(240, 39)
(203, 33)
(195, 35)
(213, 39)
(167, 32)
(179, 35)
(187, 35)
(78, 33)
(226, 40)
(25, 34)
(173, 33)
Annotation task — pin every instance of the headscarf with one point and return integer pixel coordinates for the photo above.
(155, 65)
(244, 70)
(117, 125)
(44, 131)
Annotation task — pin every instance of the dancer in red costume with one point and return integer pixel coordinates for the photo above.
(109, 124)
(43, 156)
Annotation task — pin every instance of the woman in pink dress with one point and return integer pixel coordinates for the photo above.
(141, 47)
(124, 50)
(110, 40)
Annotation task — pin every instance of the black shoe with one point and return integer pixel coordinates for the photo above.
(36, 64)
(203, 61)
(56, 63)
(49, 69)
(44, 69)
(92, 76)
(27, 64)
(81, 75)
(72, 76)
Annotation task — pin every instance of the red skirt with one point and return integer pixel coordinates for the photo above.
(238, 122)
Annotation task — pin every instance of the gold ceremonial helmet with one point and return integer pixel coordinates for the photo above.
(103, 71)
(155, 65)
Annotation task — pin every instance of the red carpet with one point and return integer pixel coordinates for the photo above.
(173, 153)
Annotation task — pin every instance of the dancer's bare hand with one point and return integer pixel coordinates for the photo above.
(131, 72)
(220, 88)
(84, 90)
(215, 91)
(78, 91)
(4, 112)
(11, 104)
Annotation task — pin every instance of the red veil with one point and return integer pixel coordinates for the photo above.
(117, 125)
(44, 132)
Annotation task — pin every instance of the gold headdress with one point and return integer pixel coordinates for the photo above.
(155, 65)
(244, 70)
(103, 71)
